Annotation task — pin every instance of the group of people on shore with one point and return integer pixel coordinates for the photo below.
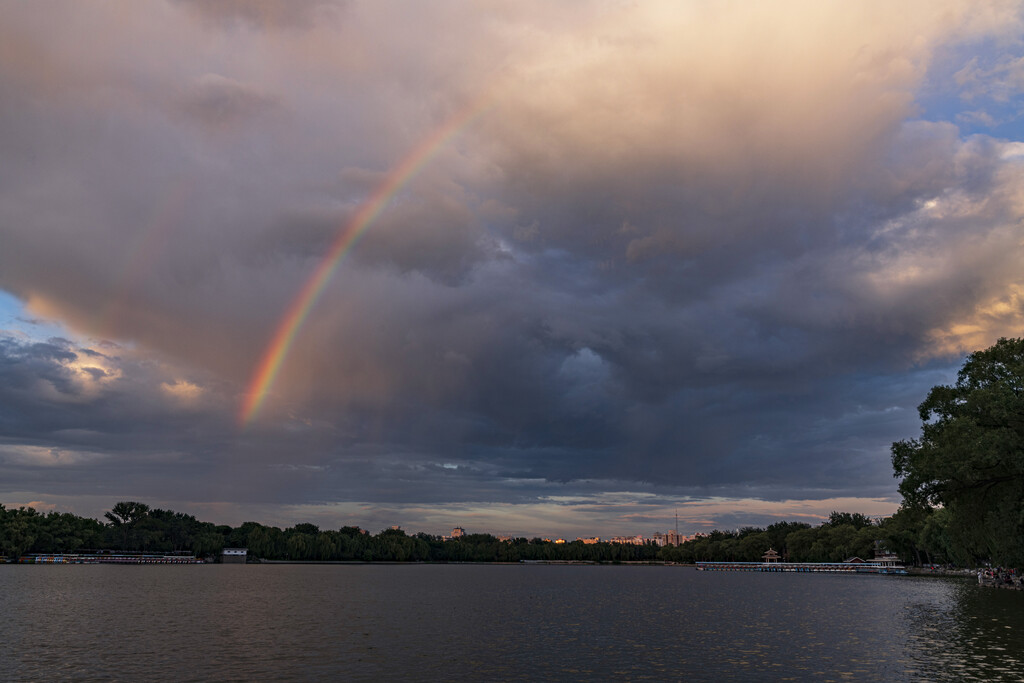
(999, 578)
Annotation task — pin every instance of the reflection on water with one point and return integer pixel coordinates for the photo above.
(962, 632)
(432, 622)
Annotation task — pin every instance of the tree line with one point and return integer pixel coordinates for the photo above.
(842, 536)
(130, 527)
(135, 527)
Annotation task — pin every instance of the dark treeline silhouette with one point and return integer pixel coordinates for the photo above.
(842, 536)
(917, 536)
(133, 527)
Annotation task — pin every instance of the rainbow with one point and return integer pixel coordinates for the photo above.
(270, 363)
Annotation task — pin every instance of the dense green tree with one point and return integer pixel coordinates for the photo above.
(778, 532)
(854, 519)
(934, 541)
(901, 532)
(969, 458)
(19, 535)
(124, 517)
(799, 544)
(753, 546)
(266, 542)
(24, 530)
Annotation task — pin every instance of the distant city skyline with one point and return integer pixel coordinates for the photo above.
(562, 272)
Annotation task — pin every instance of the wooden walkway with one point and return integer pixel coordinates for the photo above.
(815, 567)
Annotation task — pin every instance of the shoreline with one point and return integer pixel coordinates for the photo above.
(941, 572)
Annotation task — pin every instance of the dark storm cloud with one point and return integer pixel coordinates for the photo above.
(434, 236)
(674, 254)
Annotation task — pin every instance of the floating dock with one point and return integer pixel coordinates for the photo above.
(103, 558)
(817, 567)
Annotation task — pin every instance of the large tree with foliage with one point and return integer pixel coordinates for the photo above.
(124, 517)
(969, 458)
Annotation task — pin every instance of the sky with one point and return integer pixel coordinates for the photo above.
(528, 268)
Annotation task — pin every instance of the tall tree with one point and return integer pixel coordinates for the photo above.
(969, 458)
(124, 516)
(854, 519)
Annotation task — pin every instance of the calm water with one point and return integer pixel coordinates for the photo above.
(470, 622)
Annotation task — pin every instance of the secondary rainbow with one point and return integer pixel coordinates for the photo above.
(270, 363)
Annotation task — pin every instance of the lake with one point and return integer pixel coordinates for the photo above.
(502, 622)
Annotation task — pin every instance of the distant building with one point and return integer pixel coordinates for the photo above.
(771, 555)
(234, 555)
(676, 538)
(629, 540)
(670, 537)
(593, 540)
(884, 557)
(458, 532)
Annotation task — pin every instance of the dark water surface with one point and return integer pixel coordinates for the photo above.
(473, 622)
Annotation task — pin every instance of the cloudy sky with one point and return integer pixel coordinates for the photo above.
(581, 265)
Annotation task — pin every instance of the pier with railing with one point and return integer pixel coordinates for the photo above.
(109, 558)
(816, 567)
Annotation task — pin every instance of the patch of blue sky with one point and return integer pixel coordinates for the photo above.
(977, 87)
(16, 320)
